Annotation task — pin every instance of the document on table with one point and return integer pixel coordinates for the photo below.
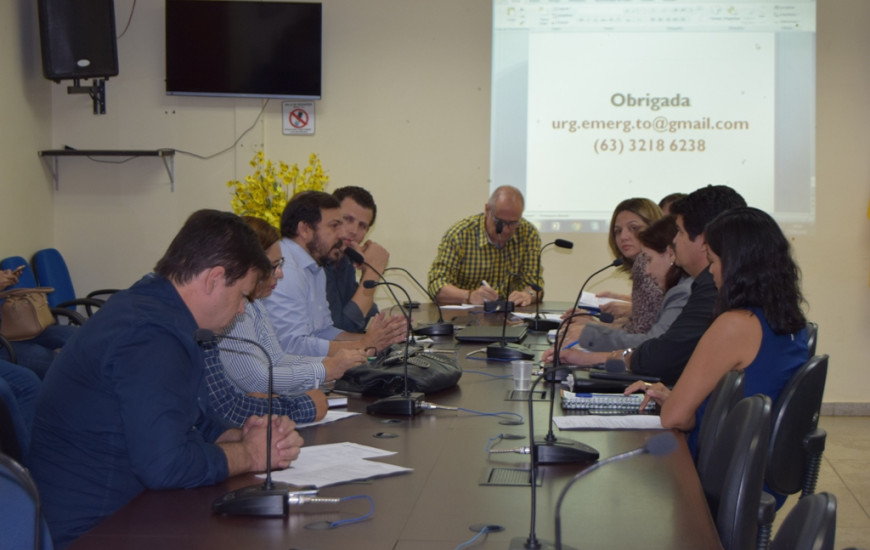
(609, 422)
(334, 463)
(547, 316)
(590, 300)
(460, 306)
(331, 416)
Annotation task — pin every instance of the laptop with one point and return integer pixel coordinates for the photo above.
(491, 333)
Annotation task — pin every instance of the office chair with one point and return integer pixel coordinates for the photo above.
(812, 336)
(727, 393)
(796, 443)
(51, 270)
(735, 475)
(26, 279)
(811, 525)
(21, 520)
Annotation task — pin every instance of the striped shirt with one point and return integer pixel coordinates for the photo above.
(248, 368)
(227, 403)
(466, 258)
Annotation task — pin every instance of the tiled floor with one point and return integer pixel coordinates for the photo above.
(845, 473)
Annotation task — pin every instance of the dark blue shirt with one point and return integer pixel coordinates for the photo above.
(122, 410)
(341, 285)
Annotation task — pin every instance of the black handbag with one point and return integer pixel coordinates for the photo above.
(428, 372)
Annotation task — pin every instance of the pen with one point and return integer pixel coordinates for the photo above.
(486, 284)
(572, 344)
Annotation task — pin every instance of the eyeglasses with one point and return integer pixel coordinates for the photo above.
(505, 223)
(277, 265)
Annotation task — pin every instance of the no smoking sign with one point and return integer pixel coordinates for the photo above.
(298, 118)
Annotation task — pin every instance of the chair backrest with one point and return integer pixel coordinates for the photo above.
(810, 525)
(21, 521)
(727, 393)
(812, 336)
(795, 415)
(735, 477)
(51, 270)
(26, 279)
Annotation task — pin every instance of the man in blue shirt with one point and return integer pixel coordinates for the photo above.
(352, 305)
(312, 229)
(124, 408)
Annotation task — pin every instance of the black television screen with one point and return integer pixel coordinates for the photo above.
(243, 49)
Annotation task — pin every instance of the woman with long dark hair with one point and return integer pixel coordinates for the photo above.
(759, 325)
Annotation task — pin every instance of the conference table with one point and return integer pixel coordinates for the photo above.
(642, 502)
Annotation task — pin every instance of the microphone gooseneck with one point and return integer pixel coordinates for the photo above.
(539, 324)
(435, 329)
(358, 258)
(268, 499)
(502, 350)
(578, 451)
(407, 403)
(658, 445)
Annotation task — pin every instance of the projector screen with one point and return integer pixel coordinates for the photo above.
(594, 102)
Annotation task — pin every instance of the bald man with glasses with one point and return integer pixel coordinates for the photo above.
(489, 256)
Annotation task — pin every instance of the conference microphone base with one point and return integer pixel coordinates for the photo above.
(398, 405)
(508, 352)
(563, 451)
(435, 329)
(255, 500)
(542, 325)
(525, 543)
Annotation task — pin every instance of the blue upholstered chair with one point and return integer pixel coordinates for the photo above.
(51, 270)
(27, 279)
(21, 521)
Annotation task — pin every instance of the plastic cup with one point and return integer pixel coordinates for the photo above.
(522, 371)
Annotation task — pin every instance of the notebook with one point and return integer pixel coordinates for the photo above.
(491, 333)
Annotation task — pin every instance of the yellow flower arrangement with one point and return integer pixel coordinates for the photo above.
(265, 193)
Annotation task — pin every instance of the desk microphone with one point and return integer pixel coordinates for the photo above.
(579, 450)
(658, 445)
(406, 403)
(615, 263)
(551, 450)
(503, 350)
(539, 324)
(269, 499)
(435, 329)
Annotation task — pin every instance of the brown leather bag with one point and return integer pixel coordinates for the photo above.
(24, 313)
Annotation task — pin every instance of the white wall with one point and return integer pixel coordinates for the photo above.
(26, 198)
(405, 114)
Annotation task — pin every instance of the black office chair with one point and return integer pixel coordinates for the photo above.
(796, 442)
(812, 336)
(727, 393)
(21, 520)
(809, 526)
(735, 476)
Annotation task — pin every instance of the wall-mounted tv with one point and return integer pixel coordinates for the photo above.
(243, 49)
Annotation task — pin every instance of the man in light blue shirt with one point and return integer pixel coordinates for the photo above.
(312, 229)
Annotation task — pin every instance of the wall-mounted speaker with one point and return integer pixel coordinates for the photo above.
(78, 39)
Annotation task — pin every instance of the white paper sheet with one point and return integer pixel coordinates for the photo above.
(334, 463)
(609, 422)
